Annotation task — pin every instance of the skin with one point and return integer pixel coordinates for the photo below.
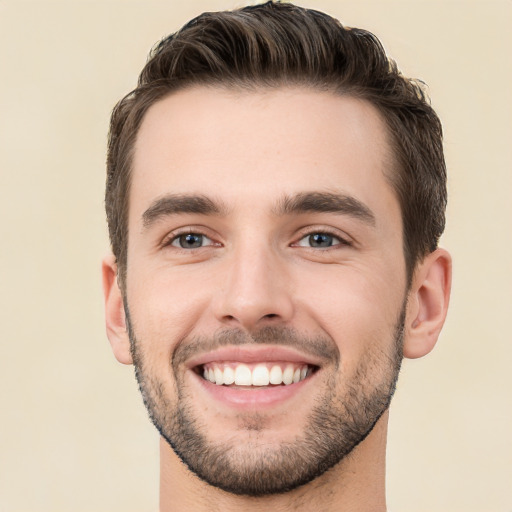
(257, 269)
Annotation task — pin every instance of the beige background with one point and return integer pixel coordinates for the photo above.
(73, 432)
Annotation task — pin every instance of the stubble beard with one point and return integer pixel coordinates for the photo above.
(341, 419)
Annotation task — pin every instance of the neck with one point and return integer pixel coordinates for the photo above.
(356, 484)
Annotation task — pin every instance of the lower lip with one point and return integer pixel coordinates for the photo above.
(249, 398)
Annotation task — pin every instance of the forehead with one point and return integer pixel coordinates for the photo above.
(251, 147)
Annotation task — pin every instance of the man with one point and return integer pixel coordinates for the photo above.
(275, 196)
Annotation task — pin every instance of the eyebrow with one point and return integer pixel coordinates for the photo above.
(175, 204)
(326, 202)
(303, 202)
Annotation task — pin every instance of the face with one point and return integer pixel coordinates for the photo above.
(266, 281)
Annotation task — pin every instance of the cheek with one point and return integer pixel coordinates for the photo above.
(165, 307)
(357, 308)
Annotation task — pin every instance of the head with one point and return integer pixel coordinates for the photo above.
(275, 195)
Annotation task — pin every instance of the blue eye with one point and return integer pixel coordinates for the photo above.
(320, 241)
(191, 241)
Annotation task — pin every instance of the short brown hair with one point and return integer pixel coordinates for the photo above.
(279, 44)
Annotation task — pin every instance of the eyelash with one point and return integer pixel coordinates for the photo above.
(174, 237)
(342, 241)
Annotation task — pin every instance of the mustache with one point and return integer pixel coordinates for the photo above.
(321, 347)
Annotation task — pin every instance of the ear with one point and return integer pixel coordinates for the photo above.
(427, 303)
(114, 312)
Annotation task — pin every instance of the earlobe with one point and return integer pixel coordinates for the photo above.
(427, 303)
(115, 319)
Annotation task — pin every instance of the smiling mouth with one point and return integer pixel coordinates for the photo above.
(257, 375)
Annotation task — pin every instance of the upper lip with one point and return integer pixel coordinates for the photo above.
(251, 354)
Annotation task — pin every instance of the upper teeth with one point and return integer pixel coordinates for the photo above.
(261, 374)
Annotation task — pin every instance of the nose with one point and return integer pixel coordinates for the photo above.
(255, 290)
